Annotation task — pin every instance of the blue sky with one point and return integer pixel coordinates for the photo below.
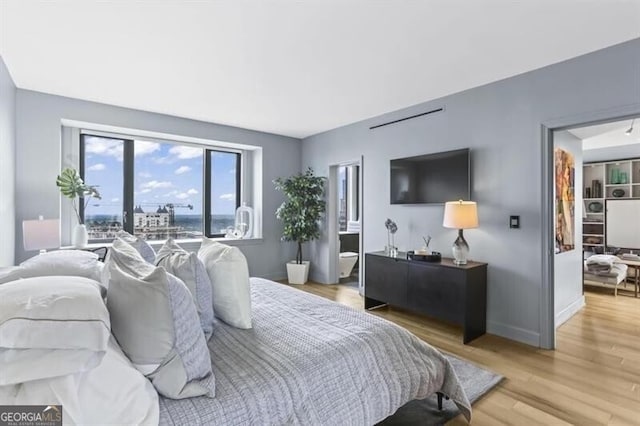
(164, 173)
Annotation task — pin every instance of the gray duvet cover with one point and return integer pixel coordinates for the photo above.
(311, 361)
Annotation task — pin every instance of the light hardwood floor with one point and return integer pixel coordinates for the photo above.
(593, 377)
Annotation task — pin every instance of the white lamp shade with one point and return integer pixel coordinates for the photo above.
(460, 215)
(41, 234)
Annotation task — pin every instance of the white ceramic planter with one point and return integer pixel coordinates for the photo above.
(298, 274)
(80, 238)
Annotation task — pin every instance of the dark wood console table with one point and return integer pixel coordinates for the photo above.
(442, 290)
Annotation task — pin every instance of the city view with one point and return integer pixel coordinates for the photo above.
(167, 189)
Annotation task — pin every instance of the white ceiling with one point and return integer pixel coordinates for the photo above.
(293, 67)
(608, 135)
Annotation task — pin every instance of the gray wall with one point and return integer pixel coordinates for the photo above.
(567, 267)
(501, 123)
(7, 164)
(38, 153)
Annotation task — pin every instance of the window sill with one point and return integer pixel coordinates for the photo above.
(189, 245)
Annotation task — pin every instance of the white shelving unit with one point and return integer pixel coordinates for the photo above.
(621, 178)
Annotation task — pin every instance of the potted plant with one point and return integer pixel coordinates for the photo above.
(300, 214)
(72, 187)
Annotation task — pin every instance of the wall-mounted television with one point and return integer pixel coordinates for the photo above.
(431, 178)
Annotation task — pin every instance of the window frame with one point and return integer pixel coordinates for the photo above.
(207, 204)
(129, 179)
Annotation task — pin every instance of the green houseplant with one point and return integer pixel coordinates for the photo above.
(300, 213)
(72, 186)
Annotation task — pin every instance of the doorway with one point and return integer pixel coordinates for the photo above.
(570, 221)
(346, 220)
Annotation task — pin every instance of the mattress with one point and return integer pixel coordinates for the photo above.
(311, 361)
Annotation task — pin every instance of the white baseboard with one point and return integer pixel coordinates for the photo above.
(569, 311)
(514, 333)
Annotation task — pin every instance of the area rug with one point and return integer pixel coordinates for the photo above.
(476, 382)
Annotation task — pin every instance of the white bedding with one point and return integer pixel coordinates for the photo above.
(112, 393)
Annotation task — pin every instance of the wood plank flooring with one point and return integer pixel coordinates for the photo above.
(592, 378)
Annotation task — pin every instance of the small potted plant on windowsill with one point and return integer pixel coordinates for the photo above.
(300, 214)
(72, 187)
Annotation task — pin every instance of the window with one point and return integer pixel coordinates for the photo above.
(158, 190)
(348, 196)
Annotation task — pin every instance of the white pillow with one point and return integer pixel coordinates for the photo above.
(190, 270)
(61, 320)
(229, 275)
(77, 263)
(146, 251)
(155, 321)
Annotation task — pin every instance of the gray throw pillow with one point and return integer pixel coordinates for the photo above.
(155, 321)
(190, 270)
(146, 251)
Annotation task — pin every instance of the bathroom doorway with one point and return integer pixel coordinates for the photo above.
(346, 235)
(349, 224)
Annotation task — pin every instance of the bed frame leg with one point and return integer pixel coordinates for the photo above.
(440, 395)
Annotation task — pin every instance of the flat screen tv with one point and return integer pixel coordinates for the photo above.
(432, 178)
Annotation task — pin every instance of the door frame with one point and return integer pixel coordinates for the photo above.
(547, 300)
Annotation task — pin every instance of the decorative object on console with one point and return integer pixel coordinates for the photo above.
(300, 214)
(460, 215)
(72, 187)
(435, 256)
(392, 228)
(41, 234)
(618, 193)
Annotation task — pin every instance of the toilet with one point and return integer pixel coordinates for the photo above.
(347, 261)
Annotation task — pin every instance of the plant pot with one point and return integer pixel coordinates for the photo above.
(298, 273)
(80, 238)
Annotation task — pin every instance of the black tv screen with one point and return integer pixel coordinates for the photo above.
(432, 178)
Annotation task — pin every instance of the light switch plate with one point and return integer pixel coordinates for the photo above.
(514, 222)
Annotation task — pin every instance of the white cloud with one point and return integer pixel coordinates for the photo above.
(185, 152)
(144, 147)
(183, 195)
(182, 169)
(115, 200)
(145, 175)
(154, 184)
(102, 146)
(228, 197)
(96, 167)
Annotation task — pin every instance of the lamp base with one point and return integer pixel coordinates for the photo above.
(460, 249)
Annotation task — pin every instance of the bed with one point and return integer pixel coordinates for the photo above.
(306, 360)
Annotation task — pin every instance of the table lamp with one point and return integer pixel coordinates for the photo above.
(460, 215)
(41, 234)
